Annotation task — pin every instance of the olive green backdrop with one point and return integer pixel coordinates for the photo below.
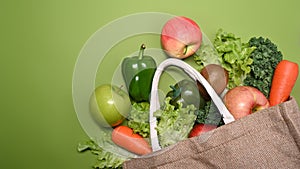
(41, 40)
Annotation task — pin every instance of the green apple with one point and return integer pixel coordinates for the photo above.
(109, 105)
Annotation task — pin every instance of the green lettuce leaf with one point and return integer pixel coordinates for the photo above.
(174, 125)
(206, 55)
(104, 159)
(234, 56)
(107, 153)
(138, 118)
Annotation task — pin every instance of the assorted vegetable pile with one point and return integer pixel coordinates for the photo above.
(248, 76)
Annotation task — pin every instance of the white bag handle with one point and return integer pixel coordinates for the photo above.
(154, 100)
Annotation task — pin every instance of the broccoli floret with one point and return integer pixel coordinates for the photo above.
(265, 59)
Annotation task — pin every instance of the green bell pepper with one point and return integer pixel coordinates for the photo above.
(138, 72)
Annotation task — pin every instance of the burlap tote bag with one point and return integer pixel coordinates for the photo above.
(266, 139)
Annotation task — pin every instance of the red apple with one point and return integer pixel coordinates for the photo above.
(244, 100)
(181, 37)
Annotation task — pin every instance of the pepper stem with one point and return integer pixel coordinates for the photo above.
(141, 52)
(176, 92)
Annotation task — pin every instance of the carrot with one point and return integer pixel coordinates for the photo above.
(284, 79)
(124, 137)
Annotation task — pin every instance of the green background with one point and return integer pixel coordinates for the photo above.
(41, 40)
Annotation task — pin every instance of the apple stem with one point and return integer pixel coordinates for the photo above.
(141, 52)
(185, 49)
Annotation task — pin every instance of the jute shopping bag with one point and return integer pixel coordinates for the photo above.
(269, 138)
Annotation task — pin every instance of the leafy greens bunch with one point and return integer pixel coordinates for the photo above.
(138, 118)
(265, 59)
(209, 114)
(174, 125)
(205, 56)
(251, 63)
(234, 56)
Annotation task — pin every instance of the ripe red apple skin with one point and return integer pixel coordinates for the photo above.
(181, 37)
(244, 100)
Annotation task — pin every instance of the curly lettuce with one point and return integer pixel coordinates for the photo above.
(234, 56)
(138, 118)
(174, 125)
(205, 56)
